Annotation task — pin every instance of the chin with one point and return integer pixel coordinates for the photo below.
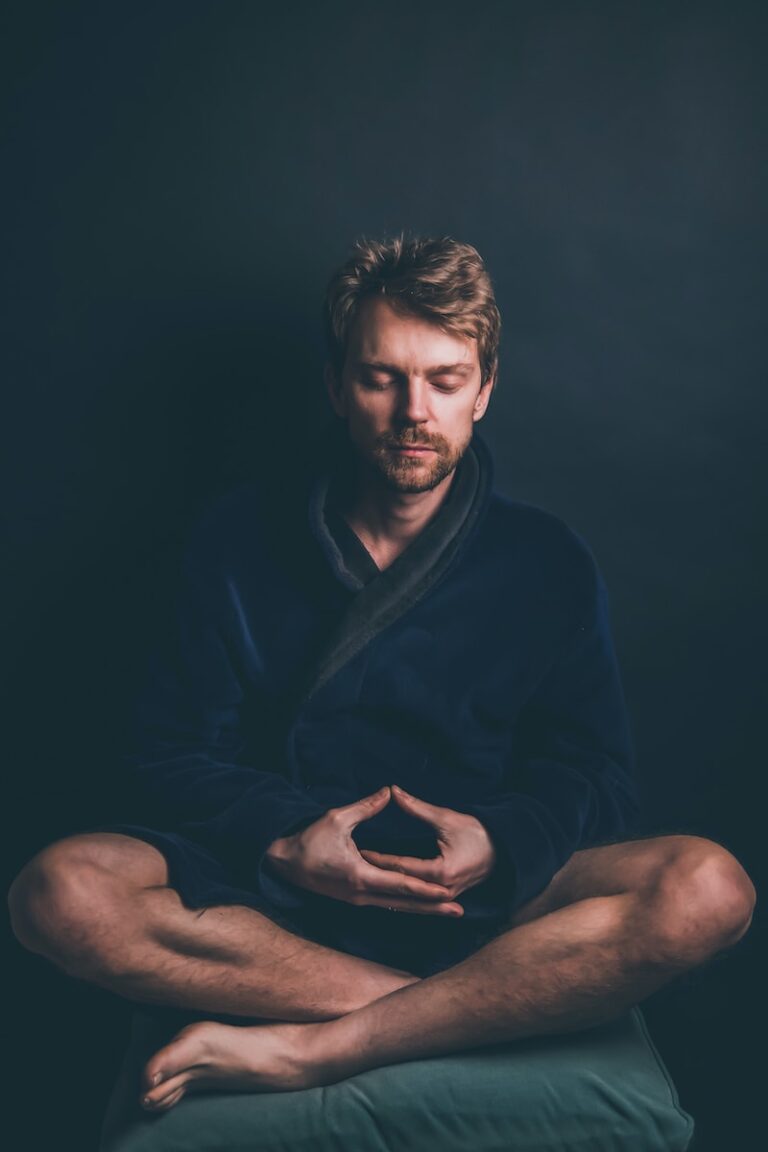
(401, 484)
(407, 476)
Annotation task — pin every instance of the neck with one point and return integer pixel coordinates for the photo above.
(387, 521)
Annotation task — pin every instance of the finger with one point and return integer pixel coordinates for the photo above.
(420, 808)
(412, 865)
(417, 907)
(353, 814)
(377, 880)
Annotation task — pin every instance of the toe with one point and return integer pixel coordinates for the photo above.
(155, 1071)
(185, 1049)
(171, 1100)
(166, 1093)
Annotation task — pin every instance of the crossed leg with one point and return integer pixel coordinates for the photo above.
(98, 906)
(616, 923)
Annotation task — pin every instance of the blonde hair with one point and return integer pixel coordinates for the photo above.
(437, 278)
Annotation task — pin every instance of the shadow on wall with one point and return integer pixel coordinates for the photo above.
(210, 394)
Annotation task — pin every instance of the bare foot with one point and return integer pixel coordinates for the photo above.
(209, 1055)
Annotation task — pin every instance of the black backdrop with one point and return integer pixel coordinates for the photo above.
(182, 177)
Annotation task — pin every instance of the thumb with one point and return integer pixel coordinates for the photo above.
(364, 809)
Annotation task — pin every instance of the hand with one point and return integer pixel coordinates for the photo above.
(324, 858)
(466, 852)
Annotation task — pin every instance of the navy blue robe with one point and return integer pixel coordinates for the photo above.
(477, 671)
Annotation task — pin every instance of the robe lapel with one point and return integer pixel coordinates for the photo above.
(399, 587)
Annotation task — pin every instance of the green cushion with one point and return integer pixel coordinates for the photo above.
(601, 1090)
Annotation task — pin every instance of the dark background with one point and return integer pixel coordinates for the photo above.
(182, 178)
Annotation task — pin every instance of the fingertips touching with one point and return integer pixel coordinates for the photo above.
(419, 908)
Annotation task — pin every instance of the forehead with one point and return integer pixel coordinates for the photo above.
(380, 333)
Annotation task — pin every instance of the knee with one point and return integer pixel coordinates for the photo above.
(56, 904)
(703, 900)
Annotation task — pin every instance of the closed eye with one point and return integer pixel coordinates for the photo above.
(379, 385)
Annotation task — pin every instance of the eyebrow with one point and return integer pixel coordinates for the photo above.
(462, 369)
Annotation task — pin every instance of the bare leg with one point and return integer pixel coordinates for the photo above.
(615, 924)
(97, 905)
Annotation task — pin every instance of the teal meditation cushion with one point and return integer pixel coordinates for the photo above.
(601, 1090)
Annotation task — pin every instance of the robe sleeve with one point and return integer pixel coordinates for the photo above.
(187, 747)
(572, 770)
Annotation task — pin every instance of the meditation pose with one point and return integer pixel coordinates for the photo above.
(384, 746)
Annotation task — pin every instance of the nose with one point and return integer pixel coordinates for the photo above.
(412, 405)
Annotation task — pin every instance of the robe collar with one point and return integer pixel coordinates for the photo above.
(390, 593)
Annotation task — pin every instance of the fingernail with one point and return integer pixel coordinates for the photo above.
(156, 1078)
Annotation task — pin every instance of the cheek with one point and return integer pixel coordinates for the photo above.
(365, 422)
(459, 418)
(371, 410)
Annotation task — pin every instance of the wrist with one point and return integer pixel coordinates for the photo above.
(488, 847)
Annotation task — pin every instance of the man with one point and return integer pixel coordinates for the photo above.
(387, 739)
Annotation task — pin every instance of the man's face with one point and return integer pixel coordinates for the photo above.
(405, 383)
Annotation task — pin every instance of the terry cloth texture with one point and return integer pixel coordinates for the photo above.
(477, 671)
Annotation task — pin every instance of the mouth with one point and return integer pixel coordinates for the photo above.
(412, 449)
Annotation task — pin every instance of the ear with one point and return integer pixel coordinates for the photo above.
(483, 398)
(335, 390)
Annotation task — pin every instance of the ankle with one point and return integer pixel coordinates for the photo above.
(332, 1050)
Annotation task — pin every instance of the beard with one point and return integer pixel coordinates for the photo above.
(414, 473)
